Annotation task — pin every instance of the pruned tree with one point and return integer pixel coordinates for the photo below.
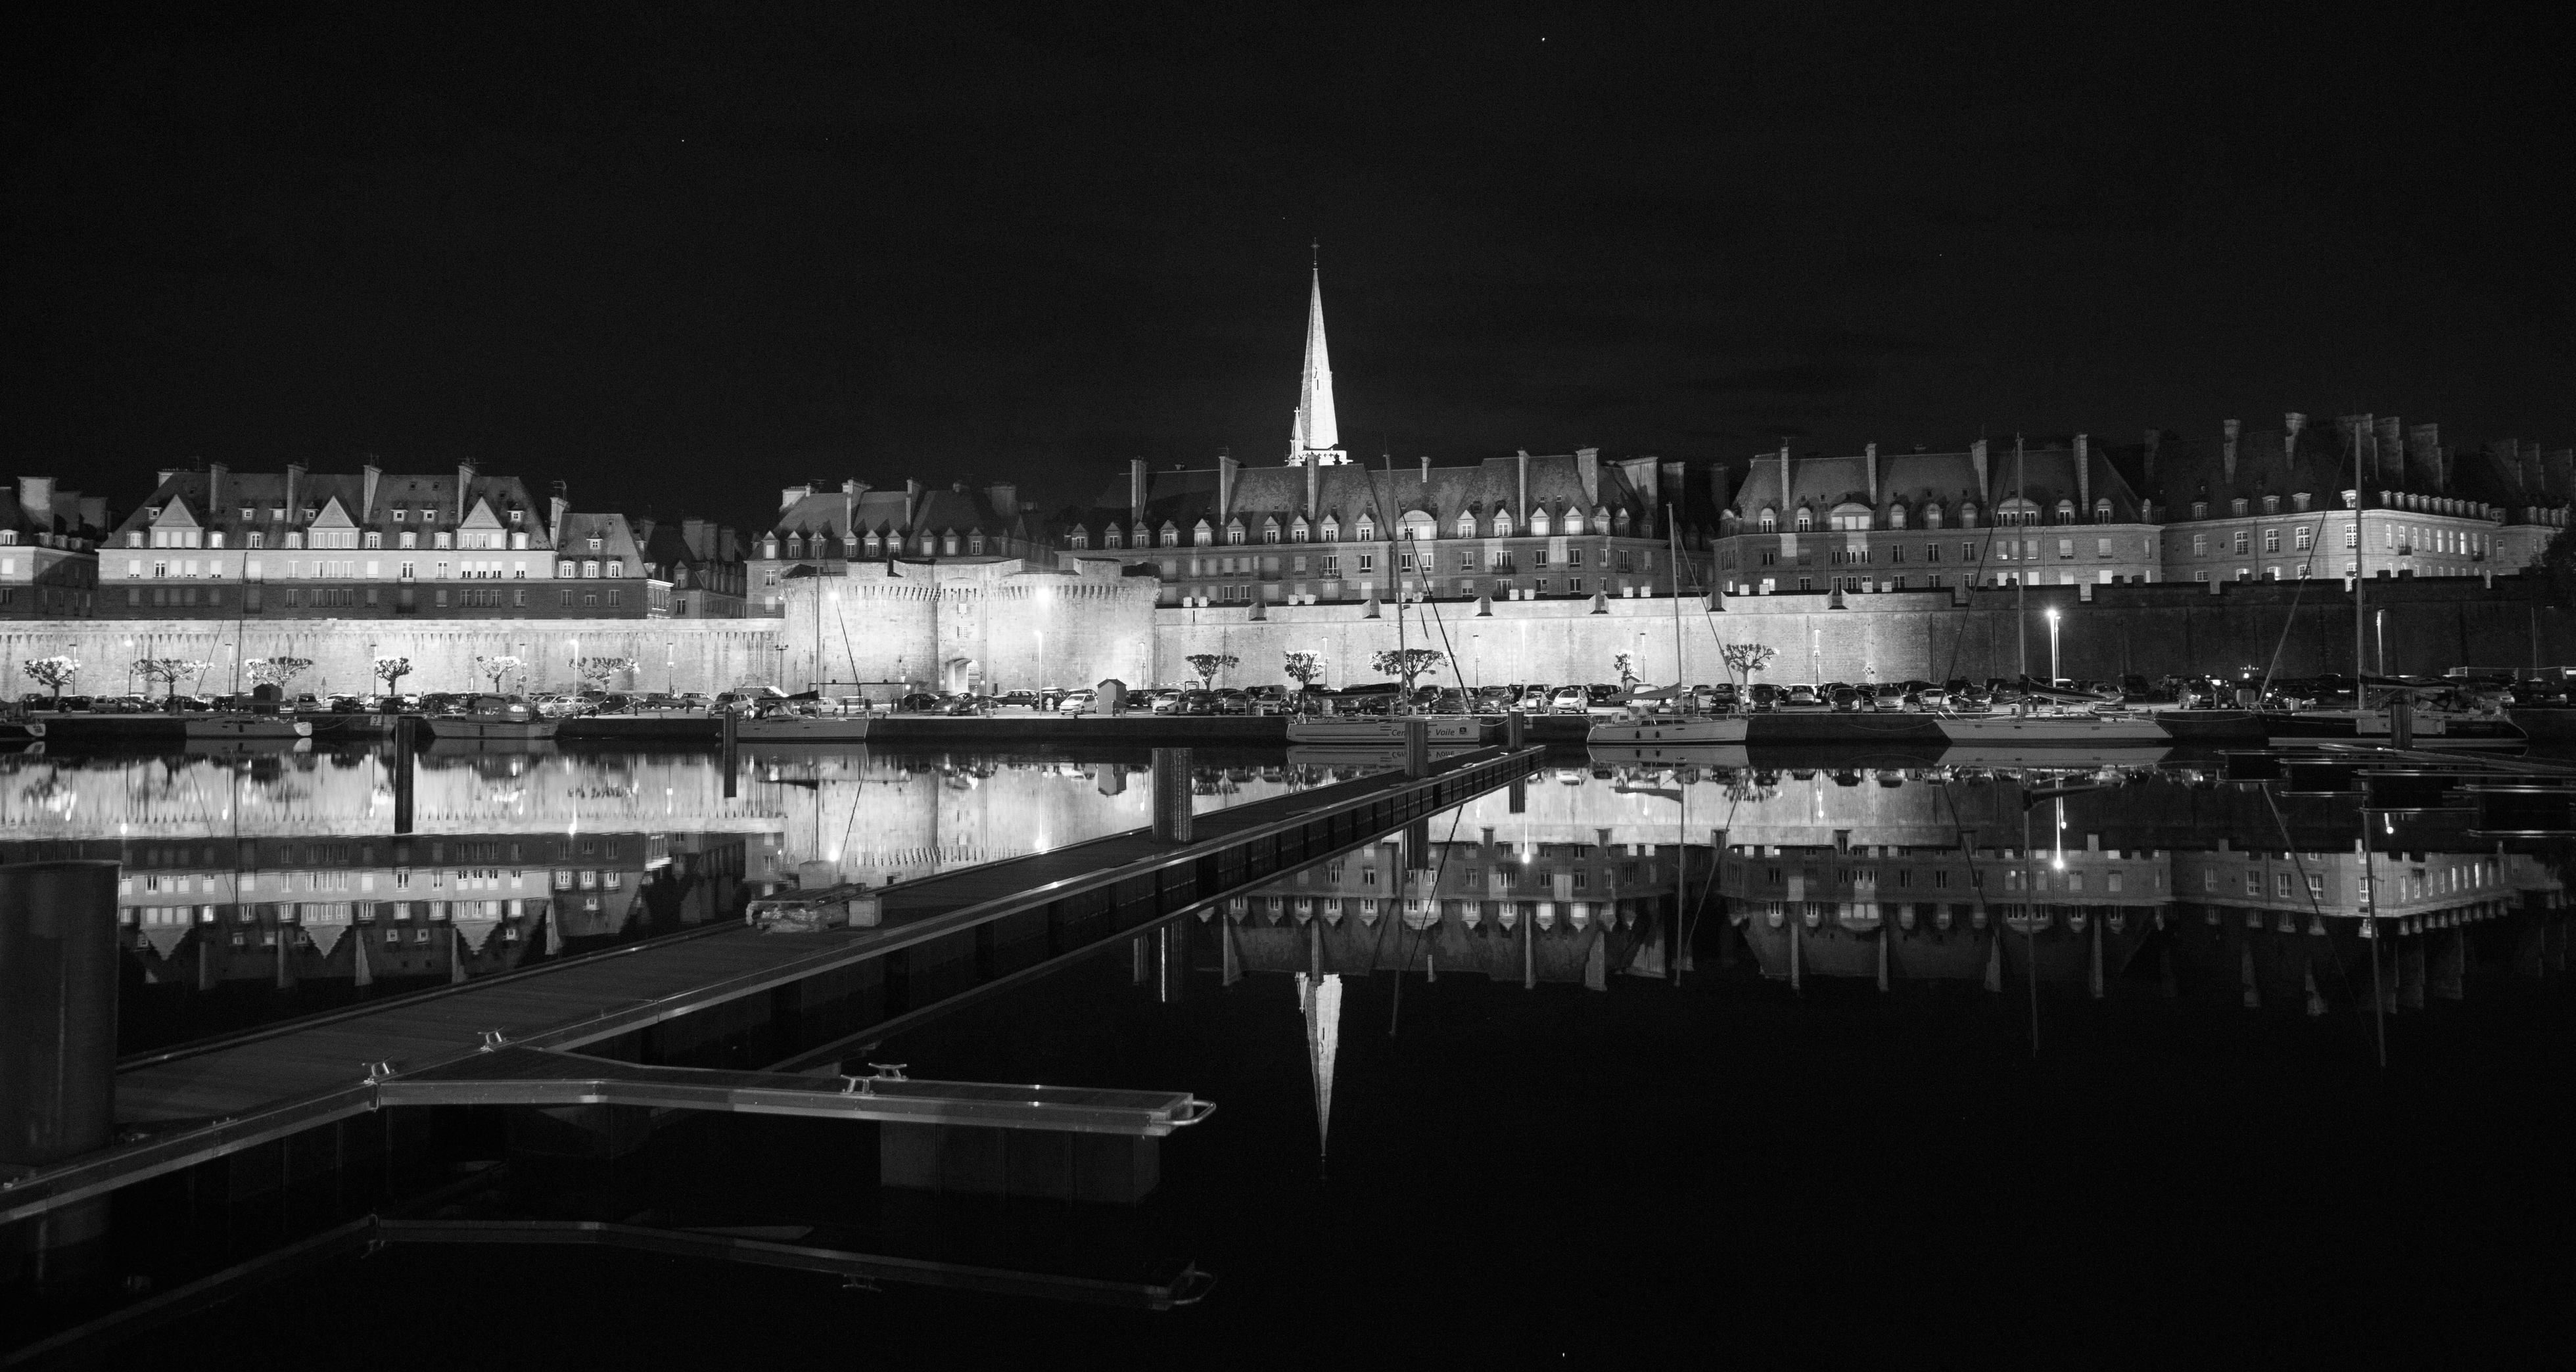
(169, 671)
(391, 671)
(1305, 669)
(596, 671)
(276, 671)
(1745, 659)
(497, 667)
(1409, 664)
(53, 673)
(1625, 665)
(1208, 665)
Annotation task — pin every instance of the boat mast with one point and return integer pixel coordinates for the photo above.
(2021, 575)
(2359, 549)
(1673, 545)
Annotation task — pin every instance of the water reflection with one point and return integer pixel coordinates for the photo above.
(263, 886)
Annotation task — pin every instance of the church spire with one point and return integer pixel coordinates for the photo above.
(1316, 436)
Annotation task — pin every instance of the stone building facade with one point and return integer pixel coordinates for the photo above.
(991, 625)
(49, 550)
(830, 532)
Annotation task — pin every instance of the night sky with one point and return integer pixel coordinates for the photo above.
(679, 257)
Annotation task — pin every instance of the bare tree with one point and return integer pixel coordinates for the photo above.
(1745, 659)
(53, 673)
(1209, 665)
(1409, 664)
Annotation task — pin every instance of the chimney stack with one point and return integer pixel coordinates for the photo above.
(2291, 424)
(215, 473)
(1587, 475)
(556, 509)
(2423, 457)
(2155, 439)
(1520, 488)
(1226, 467)
(371, 474)
(1314, 487)
(1976, 459)
(464, 488)
(2083, 477)
(1784, 486)
(700, 537)
(1136, 494)
(1426, 469)
(36, 501)
(1871, 452)
(2227, 451)
(294, 479)
(789, 495)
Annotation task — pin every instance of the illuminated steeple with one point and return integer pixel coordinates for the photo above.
(1320, 998)
(1315, 435)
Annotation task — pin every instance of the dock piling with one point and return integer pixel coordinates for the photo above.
(1171, 795)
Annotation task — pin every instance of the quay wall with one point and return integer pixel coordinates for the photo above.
(2103, 631)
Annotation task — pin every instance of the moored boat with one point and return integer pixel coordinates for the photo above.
(494, 719)
(1640, 728)
(803, 728)
(2056, 729)
(1380, 731)
(231, 726)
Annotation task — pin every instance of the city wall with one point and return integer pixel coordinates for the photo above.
(992, 626)
(2103, 631)
(671, 654)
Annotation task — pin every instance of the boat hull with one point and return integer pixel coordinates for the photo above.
(467, 728)
(1381, 731)
(2054, 731)
(220, 727)
(803, 729)
(1679, 731)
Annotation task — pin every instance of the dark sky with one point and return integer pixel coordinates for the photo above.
(677, 257)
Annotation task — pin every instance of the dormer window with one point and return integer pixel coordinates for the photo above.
(249, 513)
(617, 566)
(1573, 522)
(1896, 516)
(2299, 502)
(398, 514)
(1202, 536)
(594, 545)
(1078, 539)
(2066, 512)
(1297, 531)
(517, 515)
(1270, 531)
(1234, 535)
(2200, 509)
(1502, 524)
(1931, 516)
(1968, 515)
(277, 513)
(2271, 504)
(257, 539)
(1332, 531)
(1619, 521)
(1367, 531)
(1112, 538)
(1806, 519)
(1466, 524)
(1538, 524)
(2237, 506)
(975, 542)
(1171, 535)
(2102, 511)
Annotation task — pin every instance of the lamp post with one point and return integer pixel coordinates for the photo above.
(2052, 645)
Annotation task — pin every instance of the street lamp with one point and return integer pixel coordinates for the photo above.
(2052, 645)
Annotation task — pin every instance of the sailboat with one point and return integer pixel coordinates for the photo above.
(1659, 719)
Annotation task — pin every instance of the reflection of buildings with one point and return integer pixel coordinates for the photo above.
(878, 817)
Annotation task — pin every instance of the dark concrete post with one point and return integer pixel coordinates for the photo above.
(406, 745)
(1171, 795)
(57, 1010)
(731, 745)
(1417, 746)
(2401, 720)
(1515, 729)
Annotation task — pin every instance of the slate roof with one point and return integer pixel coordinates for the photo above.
(840, 513)
(2046, 471)
(263, 492)
(1346, 492)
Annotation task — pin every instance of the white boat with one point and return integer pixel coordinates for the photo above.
(2055, 729)
(204, 727)
(1383, 731)
(494, 719)
(1708, 756)
(1643, 728)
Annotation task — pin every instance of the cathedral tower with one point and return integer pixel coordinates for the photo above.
(1315, 435)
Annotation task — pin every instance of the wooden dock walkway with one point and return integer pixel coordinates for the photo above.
(190, 1106)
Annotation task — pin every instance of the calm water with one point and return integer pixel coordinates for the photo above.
(1618, 1062)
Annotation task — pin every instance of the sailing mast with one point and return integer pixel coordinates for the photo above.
(2360, 698)
(1673, 545)
(2021, 576)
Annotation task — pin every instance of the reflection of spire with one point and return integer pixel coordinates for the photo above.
(1321, 1000)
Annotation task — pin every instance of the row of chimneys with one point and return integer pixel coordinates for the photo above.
(1978, 457)
(38, 502)
(1642, 472)
(295, 473)
(1003, 496)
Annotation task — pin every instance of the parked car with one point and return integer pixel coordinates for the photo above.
(1802, 696)
(1569, 700)
(923, 703)
(1021, 700)
(1077, 702)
